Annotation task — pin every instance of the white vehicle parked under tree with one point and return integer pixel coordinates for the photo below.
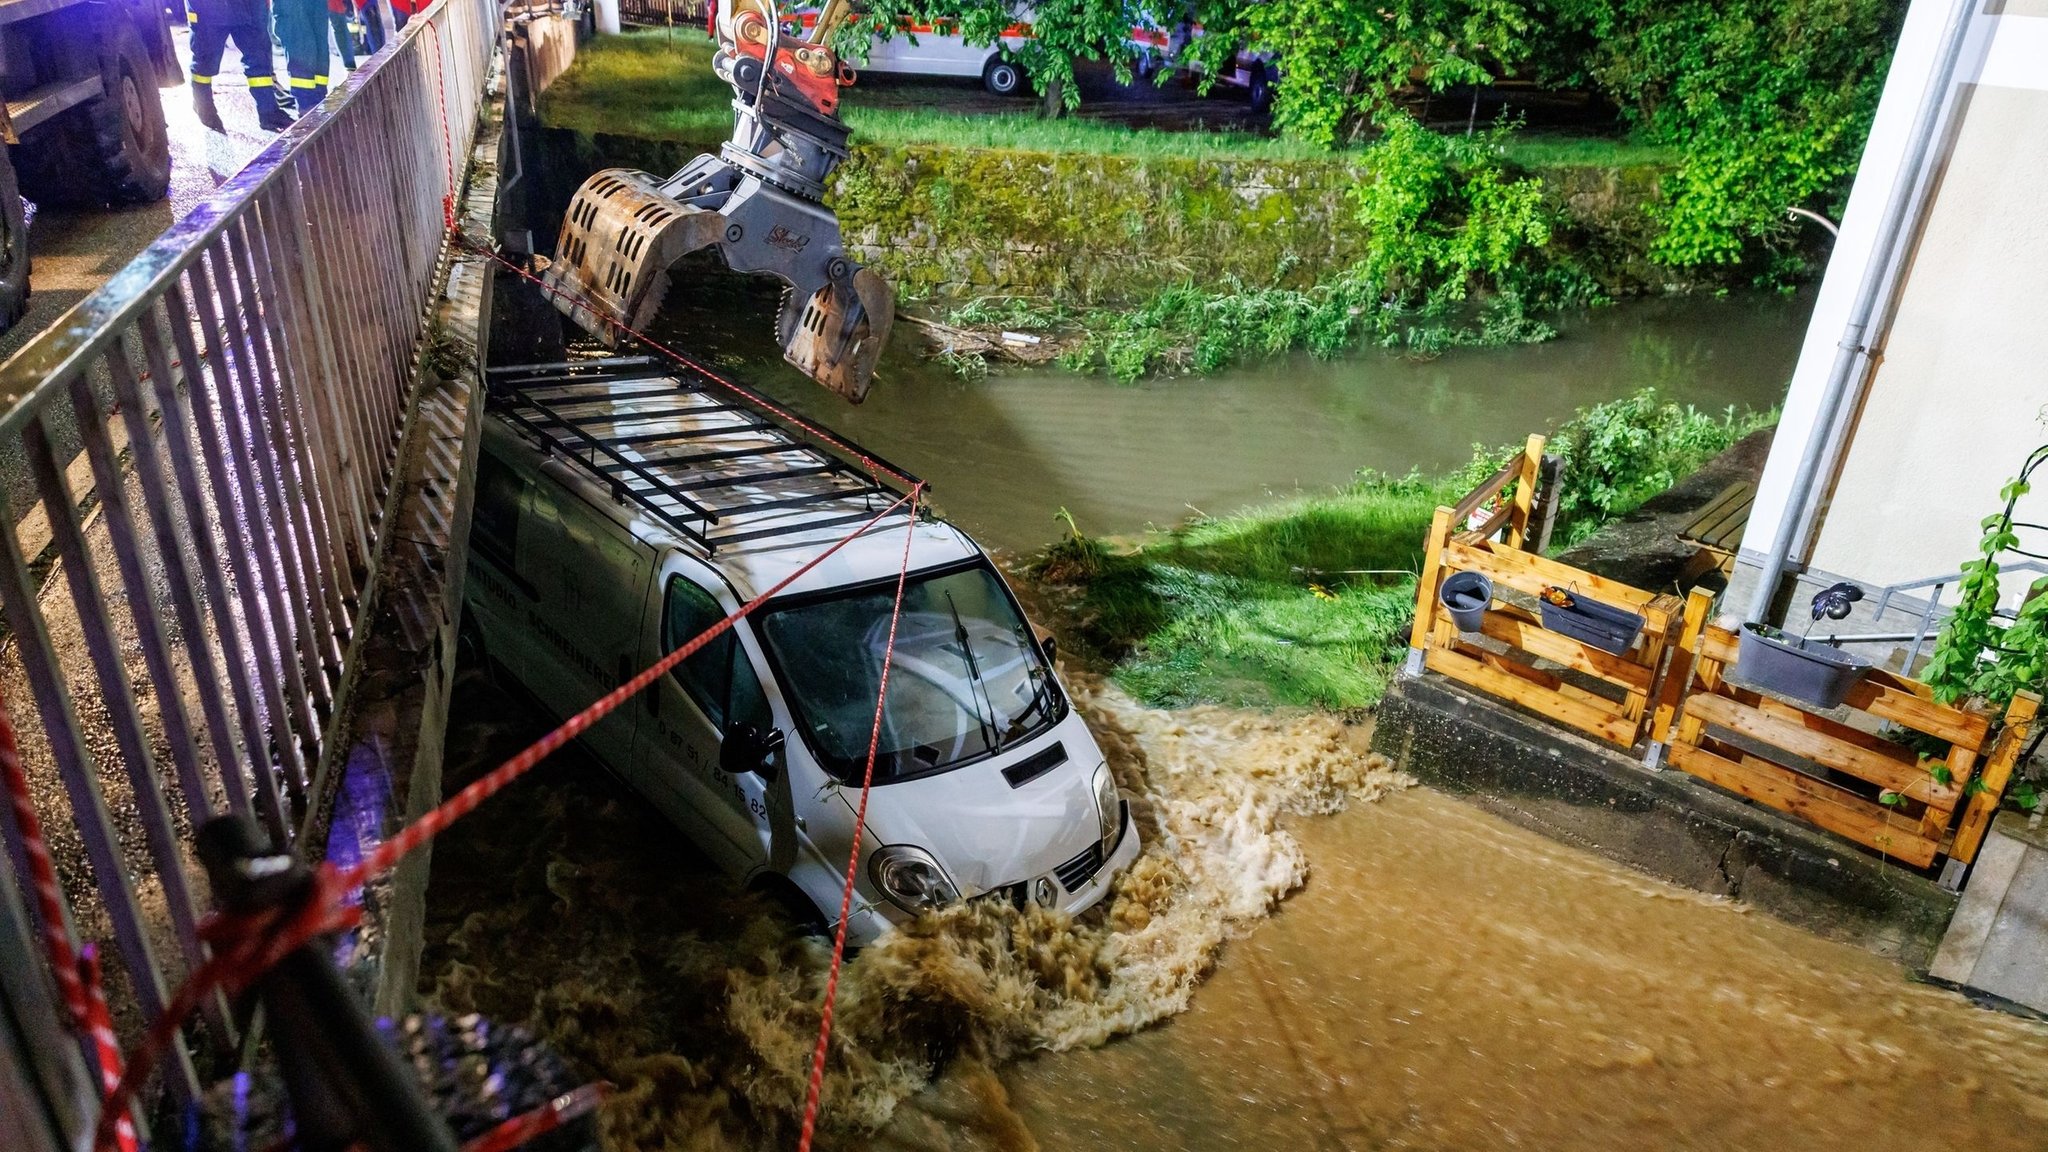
(940, 50)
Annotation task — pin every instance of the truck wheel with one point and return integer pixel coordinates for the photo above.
(113, 149)
(13, 246)
(1001, 77)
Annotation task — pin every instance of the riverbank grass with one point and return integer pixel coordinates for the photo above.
(658, 84)
(1307, 601)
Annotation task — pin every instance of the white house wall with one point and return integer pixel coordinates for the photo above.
(1954, 406)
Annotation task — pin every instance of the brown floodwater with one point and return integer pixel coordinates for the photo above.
(1446, 980)
(1310, 954)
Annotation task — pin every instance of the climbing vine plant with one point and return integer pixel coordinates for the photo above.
(1975, 655)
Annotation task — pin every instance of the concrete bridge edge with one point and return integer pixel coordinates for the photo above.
(384, 756)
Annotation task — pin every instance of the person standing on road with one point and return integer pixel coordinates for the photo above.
(302, 27)
(247, 23)
(357, 26)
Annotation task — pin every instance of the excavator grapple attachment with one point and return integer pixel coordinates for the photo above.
(840, 333)
(618, 242)
(759, 201)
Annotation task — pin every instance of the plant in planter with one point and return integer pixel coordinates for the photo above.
(1818, 674)
(1974, 655)
(1610, 629)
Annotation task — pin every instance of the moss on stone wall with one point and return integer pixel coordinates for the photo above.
(1085, 229)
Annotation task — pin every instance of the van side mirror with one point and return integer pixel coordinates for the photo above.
(1046, 642)
(749, 749)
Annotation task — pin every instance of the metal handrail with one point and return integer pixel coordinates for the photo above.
(234, 398)
(1930, 610)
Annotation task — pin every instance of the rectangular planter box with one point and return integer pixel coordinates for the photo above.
(1819, 674)
(1610, 629)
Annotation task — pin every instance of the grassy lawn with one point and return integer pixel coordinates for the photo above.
(659, 84)
(1302, 602)
(1307, 602)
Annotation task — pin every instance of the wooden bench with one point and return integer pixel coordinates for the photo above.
(1717, 531)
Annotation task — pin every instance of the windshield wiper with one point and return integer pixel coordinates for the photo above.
(1041, 690)
(974, 682)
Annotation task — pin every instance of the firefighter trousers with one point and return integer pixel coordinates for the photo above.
(302, 26)
(210, 40)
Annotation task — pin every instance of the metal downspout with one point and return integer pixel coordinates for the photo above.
(1858, 350)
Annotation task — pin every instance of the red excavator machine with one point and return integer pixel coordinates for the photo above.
(760, 200)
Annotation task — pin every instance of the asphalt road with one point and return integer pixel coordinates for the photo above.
(75, 252)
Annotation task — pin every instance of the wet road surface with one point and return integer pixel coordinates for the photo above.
(76, 251)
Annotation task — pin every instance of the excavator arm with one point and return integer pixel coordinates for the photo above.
(759, 201)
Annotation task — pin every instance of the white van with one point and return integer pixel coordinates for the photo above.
(622, 508)
(1155, 49)
(938, 49)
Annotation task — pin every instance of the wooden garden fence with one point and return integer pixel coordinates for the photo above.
(1558, 676)
(1892, 769)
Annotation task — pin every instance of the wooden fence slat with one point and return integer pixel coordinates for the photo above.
(1530, 574)
(1487, 491)
(1916, 712)
(1432, 576)
(1678, 678)
(1998, 768)
(1812, 800)
(1541, 678)
(1576, 713)
(1530, 466)
(1516, 628)
(1897, 771)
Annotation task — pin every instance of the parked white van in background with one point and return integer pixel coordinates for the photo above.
(940, 50)
(622, 509)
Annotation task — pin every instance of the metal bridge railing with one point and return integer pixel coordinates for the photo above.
(203, 449)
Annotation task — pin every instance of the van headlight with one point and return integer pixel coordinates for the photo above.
(1108, 808)
(910, 878)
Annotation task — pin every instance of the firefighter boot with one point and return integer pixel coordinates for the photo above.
(268, 114)
(202, 103)
(307, 95)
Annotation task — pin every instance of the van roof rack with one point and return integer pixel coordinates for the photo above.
(717, 462)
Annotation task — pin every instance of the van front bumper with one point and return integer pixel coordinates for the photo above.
(872, 918)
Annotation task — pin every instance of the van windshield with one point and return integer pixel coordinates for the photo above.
(968, 680)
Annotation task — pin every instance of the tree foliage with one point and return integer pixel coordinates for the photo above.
(1974, 655)
(1767, 103)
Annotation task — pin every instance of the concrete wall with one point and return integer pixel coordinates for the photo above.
(1957, 400)
(952, 223)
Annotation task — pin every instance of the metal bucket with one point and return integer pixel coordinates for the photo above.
(1466, 596)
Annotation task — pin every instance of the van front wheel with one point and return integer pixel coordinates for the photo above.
(795, 907)
(1002, 77)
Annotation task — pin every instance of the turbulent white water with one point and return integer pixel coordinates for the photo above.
(708, 1033)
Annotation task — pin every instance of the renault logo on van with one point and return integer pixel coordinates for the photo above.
(1043, 892)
